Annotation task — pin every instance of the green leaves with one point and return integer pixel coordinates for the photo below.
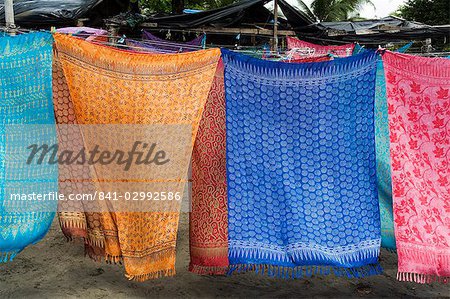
(336, 10)
(431, 12)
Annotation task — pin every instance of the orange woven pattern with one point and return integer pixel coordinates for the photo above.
(109, 86)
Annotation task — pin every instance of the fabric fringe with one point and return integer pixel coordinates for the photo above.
(306, 271)
(8, 256)
(208, 270)
(422, 278)
(421, 255)
(107, 258)
(367, 251)
(424, 257)
(152, 275)
(72, 223)
(113, 259)
(95, 241)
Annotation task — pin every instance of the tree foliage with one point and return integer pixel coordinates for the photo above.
(336, 10)
(431, 12)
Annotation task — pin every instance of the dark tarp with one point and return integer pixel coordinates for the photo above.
(294, 16)
(373, 25)
(249, 13)
(38, 13)
(388, 29)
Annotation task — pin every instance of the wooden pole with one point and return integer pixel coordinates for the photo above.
(275, 25)
(9, 15)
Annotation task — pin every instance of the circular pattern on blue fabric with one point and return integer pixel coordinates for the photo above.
(316, 140)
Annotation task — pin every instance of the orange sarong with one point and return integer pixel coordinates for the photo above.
(109, 86)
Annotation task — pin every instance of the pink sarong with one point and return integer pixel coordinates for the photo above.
(419, 124)
(304, 49)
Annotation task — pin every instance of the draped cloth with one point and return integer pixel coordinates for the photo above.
(25, 101)
(208, 226)
(72, 218)
(383, 161)
(88, 33)
(209, 215)
(135, 88)
(358, 49)
(311, 50)
(383, 158)
(168, 45)
(302, 196)
(155, 44)
(419, 125)
(310, 59)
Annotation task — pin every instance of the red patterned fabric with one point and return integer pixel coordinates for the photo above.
(310, 59)
(305, 49)
(419, 124)
(209, 217)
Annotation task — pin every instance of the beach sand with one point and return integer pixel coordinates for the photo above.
(57, 268)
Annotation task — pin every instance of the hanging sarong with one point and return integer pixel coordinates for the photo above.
(383, 159)
(72, 218)
(141, 46)
(358, 49)
(88, 33)
(172, 46)
(136, 89)
(160, 47)
(306, 49)
(419, 124)
(209, 216)
(208, 224)
(310, 59)
(301, 175)
(26, 102)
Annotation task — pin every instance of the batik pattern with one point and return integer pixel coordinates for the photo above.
(133, 88)
(25, 100)
(419, 125)
(301, 166)
(208, 226)
(302, 49)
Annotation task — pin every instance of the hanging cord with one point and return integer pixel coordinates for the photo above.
(243, 49)
(160, 43)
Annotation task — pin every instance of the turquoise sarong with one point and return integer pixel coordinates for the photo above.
(26, 118)
(383, 157)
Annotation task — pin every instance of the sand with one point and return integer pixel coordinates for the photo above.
(55, 268)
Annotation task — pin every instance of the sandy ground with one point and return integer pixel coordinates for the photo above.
(55, 268)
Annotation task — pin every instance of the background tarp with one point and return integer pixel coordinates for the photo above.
(248, 13)
(37, 13)
(388, 29)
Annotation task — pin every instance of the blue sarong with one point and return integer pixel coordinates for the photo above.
(302, 194)
(26, 118)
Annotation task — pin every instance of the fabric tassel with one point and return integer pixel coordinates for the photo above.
(8, 256)
(152, 275)
(422, 278)
(297, 272)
